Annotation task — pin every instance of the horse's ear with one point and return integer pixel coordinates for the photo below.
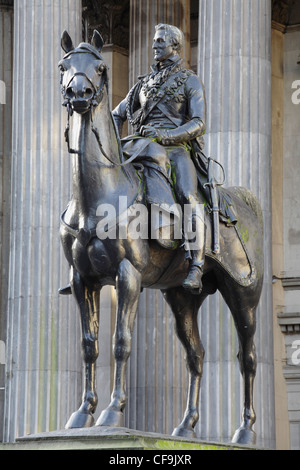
(97, 41)
(66, 42)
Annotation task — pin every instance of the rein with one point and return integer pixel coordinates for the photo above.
(95, 101)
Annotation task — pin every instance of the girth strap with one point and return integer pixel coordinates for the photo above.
(83, 235)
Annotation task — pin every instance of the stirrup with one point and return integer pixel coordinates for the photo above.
(65, 290)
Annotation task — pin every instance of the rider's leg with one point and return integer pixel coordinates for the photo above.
(186, 190)
(193, 281)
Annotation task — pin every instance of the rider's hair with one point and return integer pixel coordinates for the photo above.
(174, 34)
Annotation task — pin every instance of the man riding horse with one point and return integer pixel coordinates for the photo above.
(170, 118)
(171, 108)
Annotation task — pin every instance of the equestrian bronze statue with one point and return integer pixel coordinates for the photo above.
(148, 211)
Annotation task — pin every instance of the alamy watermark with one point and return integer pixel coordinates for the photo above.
(136, 221)
(296, 93)
(2, 353)
(295, 355)
(2, 92)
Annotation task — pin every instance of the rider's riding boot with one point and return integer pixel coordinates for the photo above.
(193, 281)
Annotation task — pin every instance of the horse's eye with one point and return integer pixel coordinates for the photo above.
(101, 68)
(62, 67)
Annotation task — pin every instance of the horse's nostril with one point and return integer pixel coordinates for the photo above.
(82, 93)
(70, 92)
(88, 92)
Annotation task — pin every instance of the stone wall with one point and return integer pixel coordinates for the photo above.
(289, 319)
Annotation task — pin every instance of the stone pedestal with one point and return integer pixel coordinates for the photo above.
(121, 443)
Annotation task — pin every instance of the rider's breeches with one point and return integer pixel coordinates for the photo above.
(186, 190)
(184, 176)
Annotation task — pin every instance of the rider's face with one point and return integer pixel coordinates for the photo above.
(162, 46)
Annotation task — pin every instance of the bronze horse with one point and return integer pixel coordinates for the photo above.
(100, 176)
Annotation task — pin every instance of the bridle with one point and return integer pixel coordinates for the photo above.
(98, 94)
(94, 102)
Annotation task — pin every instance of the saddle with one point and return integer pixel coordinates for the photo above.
(223, 234)
(159, 195)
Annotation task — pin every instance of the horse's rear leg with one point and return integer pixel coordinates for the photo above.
(88, 302)
(185, 307)
(246, 326)
(242, 303)
(128, 292)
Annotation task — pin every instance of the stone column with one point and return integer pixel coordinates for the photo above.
(6, 45)
(43, 367)
(157, 376)
(235, 66)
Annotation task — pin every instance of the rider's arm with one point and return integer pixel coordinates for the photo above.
(120, 115)
(131, 103)
(196, 116)
(185, 133)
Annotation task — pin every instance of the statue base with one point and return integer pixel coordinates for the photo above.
(114, 440)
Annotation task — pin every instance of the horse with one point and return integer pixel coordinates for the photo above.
(100, 175)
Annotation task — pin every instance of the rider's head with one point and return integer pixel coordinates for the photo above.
(168, 37)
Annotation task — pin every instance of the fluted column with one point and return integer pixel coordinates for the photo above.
(235, 66)
(6, 53)
(144, 16)
(157, 376)
(43, 349)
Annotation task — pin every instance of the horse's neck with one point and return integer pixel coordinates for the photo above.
(95, 179)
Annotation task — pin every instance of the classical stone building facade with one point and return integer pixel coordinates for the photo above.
(247, 53)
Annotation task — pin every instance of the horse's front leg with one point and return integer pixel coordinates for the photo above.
(128, 292)
(88, 302)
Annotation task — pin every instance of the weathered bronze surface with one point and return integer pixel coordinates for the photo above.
(164, 155)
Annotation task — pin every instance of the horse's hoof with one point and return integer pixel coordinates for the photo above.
(184, 432)
(244, 436)
(111, 418)
(79, 419)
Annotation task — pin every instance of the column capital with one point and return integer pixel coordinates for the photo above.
(111, 18)
(9, 4)
(281, 10)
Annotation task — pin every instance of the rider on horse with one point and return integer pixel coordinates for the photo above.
(171, 107)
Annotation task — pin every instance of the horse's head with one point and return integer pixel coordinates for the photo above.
(83, 73)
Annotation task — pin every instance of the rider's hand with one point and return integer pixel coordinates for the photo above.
(162, 136)
(149, 131)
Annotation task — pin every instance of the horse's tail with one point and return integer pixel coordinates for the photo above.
(251, 200)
